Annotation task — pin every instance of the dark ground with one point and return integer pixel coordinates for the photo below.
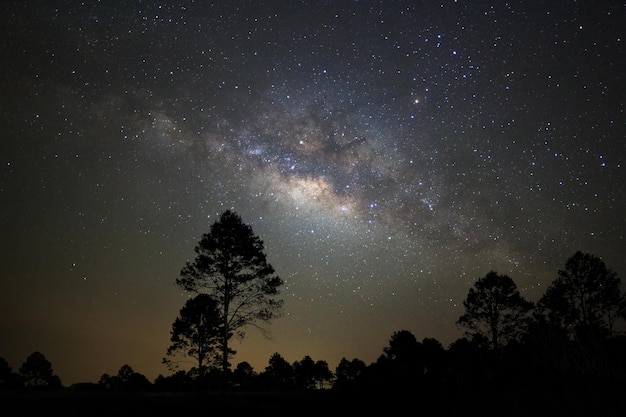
(318, 403)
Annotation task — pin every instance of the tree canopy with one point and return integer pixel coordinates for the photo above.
(37, 372)
(197, 332)
(495, 310)
(231, 265)
(585, 298)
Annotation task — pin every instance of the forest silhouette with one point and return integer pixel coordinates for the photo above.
(563, 355)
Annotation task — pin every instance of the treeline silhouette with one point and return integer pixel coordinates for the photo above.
(406, 364)
(535, 375)
(562, 355)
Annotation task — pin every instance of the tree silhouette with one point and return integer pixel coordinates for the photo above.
(310, 374)
(197, 333)
(466, 361)
(125, 380)
(125, 373)
(434, 354)
(322, 373)
(244, 375)
(131, 380)
(36, 372)
(348, 374)
(8, 378)
(177, 382)
(585, 299)
(402, 346)
(231, 265)
(304, 373)
(495, 310)
(278, 374)
(401, 365)
(108, 382)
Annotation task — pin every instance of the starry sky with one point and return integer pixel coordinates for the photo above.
(388, 154)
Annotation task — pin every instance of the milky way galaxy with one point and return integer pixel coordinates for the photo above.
(388, 154)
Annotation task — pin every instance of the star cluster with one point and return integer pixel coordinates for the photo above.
(387, 153)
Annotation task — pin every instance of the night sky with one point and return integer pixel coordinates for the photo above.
(388, 154)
